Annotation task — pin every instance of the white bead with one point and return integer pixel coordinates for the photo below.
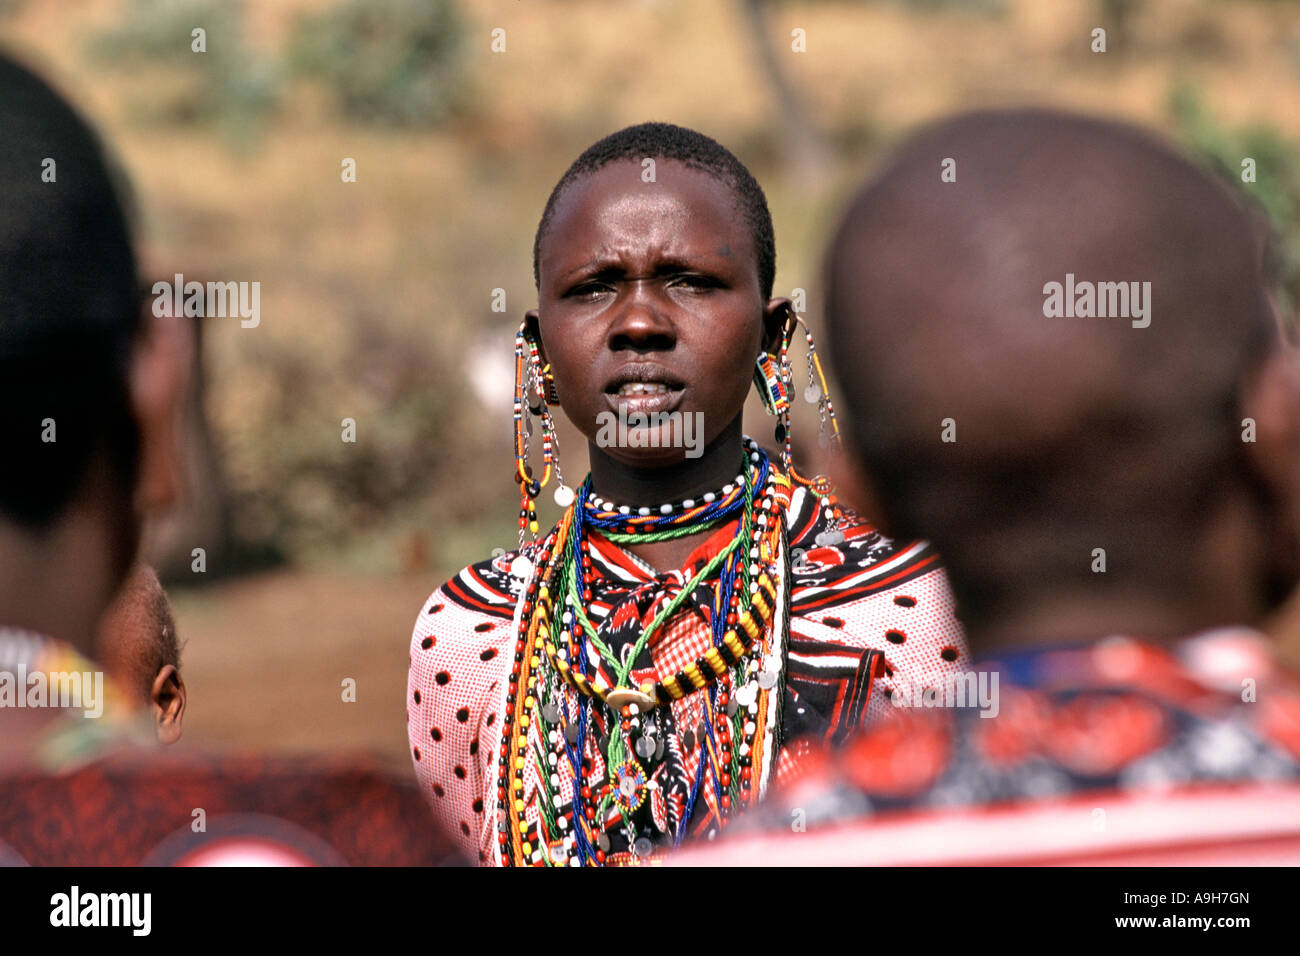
(665, 509)
(624, 509)
(521, 567)
(728, 489)
(643, 511)
(688, 503)
(709, 496)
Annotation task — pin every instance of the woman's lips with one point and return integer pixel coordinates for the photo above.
(637, 398)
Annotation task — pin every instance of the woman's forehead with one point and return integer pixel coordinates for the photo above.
(682, 209)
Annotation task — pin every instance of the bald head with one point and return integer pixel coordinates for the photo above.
(1076, 312)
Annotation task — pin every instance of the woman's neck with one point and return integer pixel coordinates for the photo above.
(623, 484)
(719, 463)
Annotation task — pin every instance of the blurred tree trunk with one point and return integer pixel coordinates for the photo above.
(806, 154)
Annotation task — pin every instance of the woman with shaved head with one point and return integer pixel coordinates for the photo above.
(636, 674)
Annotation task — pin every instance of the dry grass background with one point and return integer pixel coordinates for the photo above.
(376, 290)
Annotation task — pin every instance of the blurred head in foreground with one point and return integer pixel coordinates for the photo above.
(1065, 370)
(1102, 477)
(139, 648)
(89, 383)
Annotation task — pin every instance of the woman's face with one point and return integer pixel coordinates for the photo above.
(649, 298)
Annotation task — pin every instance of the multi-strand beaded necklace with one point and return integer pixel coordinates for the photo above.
(567, 687)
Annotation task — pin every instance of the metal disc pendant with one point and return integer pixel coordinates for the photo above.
(602, 842)
(834, 537)
(521, 567)
(643, 847)
(645, 747)
(571, 734)
(564, 496)
(688, 740)
(812, 394)
(732, 707)
(550, 713)
(767, 679)
(659, 749)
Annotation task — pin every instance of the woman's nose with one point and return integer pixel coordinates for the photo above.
(641, 323)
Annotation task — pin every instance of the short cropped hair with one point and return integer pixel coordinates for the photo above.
(691, 149)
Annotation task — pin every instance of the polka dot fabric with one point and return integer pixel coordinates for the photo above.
(848, 602)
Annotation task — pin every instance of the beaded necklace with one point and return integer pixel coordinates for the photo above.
(566, 685)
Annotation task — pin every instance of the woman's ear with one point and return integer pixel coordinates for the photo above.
(533, 329)
(777, 314)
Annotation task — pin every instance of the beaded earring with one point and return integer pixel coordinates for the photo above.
(534, 395)
(774, 379)
(817, 393)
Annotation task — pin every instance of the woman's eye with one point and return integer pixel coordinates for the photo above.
(695, 283)
(587, 290)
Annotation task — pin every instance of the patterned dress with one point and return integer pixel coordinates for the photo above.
(864, 614)
(1116, 753)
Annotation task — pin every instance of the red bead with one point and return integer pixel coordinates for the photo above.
(726, 801)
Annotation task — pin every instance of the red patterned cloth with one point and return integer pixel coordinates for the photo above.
(174, 811)
(1115, 753)
(851, 604)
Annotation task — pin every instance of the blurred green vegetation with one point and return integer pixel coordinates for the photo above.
(1276, 189)
(226, 84)
(394, 62)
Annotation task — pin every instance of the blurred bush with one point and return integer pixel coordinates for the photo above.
(386, 62)
(1276, 189)
(227, 84)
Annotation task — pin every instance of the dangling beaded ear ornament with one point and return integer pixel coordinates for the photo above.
(818, 394)
(534, 394)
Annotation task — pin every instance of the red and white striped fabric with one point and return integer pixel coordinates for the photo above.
(865, 594)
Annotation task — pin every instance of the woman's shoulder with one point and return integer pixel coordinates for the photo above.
(474, 607)
(833, 546)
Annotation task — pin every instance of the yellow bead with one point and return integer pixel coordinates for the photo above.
(519, 763)
(519, 806)
(532, 526)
